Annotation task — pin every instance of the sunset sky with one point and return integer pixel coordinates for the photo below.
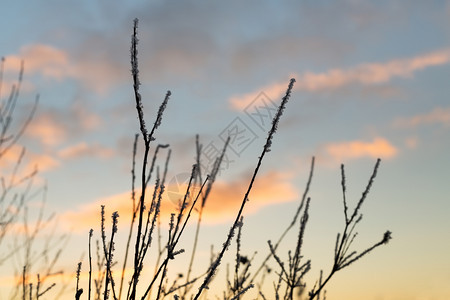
(372, 81)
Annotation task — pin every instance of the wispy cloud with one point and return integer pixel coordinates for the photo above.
(378, 148)
(95, 73)
(84, 118)
(30, 162)
(270, 188)
(273, 91)
(439, 115)
(364, 74)
(48, 128)
(87, 216)
(52, 126)
(371, 73)
(85, 150)
(46, 60)
(411, 142)
(43, 162)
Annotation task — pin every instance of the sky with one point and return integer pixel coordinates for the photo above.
(371, 82)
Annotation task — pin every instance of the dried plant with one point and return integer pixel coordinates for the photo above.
(288, 281)
(236, 223)
(16, 188)
(34, 264)
(78, 291)
(342, 257)
(287, 276)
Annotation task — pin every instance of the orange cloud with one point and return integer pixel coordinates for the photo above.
(53, 126)
(226, 197)
(379, 147)
(96, 73)
(87, 119)
(10, 157)
(223, 204)
(88, 215)
(30, 162)
(411, 142)
(371, 73)
(273, 91)
(438, 115)
(46, 128)
(9, 83)
(83, 149)
(363, 74)
(42, 162)
(47, 60)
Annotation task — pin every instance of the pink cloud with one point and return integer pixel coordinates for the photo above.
(86, 119)
(363, 74)
(83, 149)
(9, 83)
(43, 162)
(47, 128)
(10, 157)
(371, 73)
(222, 206)
(47, 60)
(378, 148)
(273, 91)
(97, 74)
(29, 163)
(226, 197)
(411, 142)
(87, 216)
(269, 189)
(438, 115)
(52, 127)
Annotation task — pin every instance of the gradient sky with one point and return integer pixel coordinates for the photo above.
(372, 81)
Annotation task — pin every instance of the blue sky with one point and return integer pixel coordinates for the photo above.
(372, 81)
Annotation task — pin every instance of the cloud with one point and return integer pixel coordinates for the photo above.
(10, 157)
(371, 73)
(269, 189)
(378, 148)
(95, 72)
(87, 120)
(411, 142)
(83, 150)
(99, 73)
(87, 216)
(364, 74)
(47, 127)
(223, 204)
(43, 162)
(38, 58)
(28, 163)
(438, 115)
(8, 84)
(54, 126)
(226, 197)
(273, 91)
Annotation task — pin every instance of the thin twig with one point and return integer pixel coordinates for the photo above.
(291, 225)
(244, 201)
